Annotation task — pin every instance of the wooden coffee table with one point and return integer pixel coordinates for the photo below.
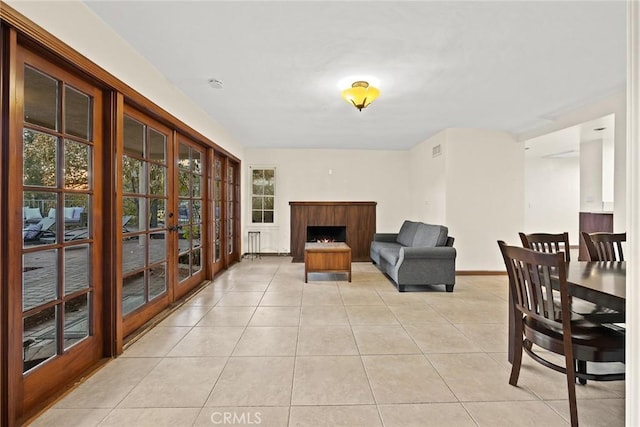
(334, 257)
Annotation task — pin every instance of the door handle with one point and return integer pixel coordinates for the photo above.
(175, 228)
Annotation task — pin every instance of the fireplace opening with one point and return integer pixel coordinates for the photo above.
(326, 233)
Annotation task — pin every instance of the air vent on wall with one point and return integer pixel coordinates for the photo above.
(436, 151)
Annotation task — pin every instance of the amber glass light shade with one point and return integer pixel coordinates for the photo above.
(360, 94)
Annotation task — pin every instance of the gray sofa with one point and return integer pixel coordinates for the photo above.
(419, 254)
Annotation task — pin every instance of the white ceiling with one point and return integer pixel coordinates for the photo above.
(509, 66)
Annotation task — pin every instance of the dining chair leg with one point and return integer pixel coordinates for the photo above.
(581, 368)
(517, 354)
(571, 388)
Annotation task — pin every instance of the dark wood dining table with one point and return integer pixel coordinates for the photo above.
(599, 282)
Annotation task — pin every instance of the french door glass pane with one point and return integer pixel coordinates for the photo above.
(196, 261)
(76, 215)
(196, 190)
(157, 146)
(135, 207)
(40, 99)
(134, 253)
(77, 268)
(76, 165)
(77, 116)
(76, 320)
(39, 158)
(131, 173)
(196, 162)
(157, 280)
(156, 213)
(157, 247)
(183, 183)
(39, 338)
(157, 180)
(39, 278)
(133, 292)
(133, 138)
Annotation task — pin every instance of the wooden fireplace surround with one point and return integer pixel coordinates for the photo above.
(358, 217)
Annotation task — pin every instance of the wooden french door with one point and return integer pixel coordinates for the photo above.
(226, 212)
(190, 203)
(161, 240)
(55, 229)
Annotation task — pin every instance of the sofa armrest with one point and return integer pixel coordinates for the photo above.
(385, 237)
(438, 252)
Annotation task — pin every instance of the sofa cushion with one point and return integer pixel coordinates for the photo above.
(407, 233)
(428, 236)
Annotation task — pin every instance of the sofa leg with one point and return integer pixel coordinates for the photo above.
(400, 288)
(449, 288)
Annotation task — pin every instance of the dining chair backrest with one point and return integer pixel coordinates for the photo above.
(547, 243)
(604, 246)
(532, 290)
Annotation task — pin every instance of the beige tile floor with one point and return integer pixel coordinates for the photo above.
(258, 346)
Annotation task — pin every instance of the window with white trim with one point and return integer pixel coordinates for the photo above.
(263, 190)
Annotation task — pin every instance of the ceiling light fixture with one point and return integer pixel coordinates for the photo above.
(360, 94)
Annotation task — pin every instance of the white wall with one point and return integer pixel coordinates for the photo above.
(475, 188)
(591, 176)
(485, 197)
(552, 196)
(356, 175)
(428, 181)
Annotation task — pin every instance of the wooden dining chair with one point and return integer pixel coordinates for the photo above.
(604, 246)
(533, 279)
(554, 243)
(547, 243)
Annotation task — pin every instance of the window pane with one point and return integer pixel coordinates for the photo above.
(39, 158)
(256, 203)
(184, 212)
(77, 116)
(132, 292)
(268, 217)
(39, 338)
(157, 180)
(157, 247)
(196, 214)
(258, 190)
(77, 268)
(39, 278)
(269, 189)
(157, 146)
(183, 157)
(76, 320)
(256, 216)
(156, 213)
(76, 215)
(131, 173)
(76, 165)
(257, 175)
(268, 203)
(183, 183)
(196, 261)
(196, 186)
(39, 212)
(196, 162)
(134, 253)
(40, 99)
(133, 137)
(134, 207)
(157, 280)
